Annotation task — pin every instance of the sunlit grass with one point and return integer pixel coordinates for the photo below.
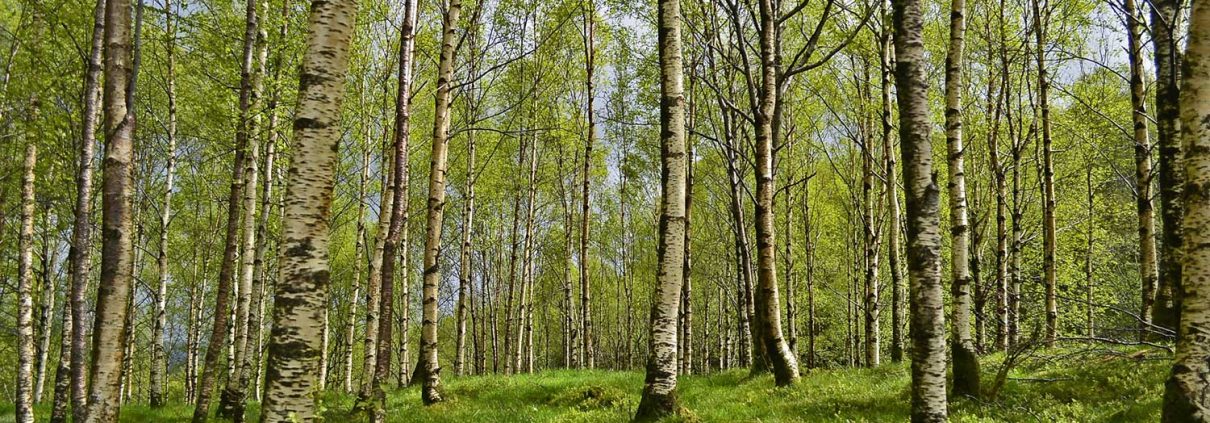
(1100, 385)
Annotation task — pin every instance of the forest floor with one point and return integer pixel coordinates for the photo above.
(1087, 384)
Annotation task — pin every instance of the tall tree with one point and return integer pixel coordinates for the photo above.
(431, 390)
(965, 358)
(394, 242)
(117, 250)
(159, 358)
(1185, 394)
(80, 251)
(1165, 21)
(235, 214)
(1049, 274)
(590, 54)
(302, 294)
(886, 71)
(923, 216)
(1148, 270)
(659, 389)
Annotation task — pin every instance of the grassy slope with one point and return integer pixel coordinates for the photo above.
(1068, 386)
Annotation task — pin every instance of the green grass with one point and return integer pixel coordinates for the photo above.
(1063, 385)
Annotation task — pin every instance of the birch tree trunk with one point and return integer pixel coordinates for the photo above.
(962, 347)
(1165, 21)
(431, 388)
(1049, 278)
(80, 251)
(590, 16)
(227, 271)
(302, 293)
(886, 70)
(24, 407)
(1187, 394)
(394, 242)
(358, 252)
(231, 402)
(767, 303)
(659, 389)
(686, 308)
(923, 221)
(1148, 268)
(116, 284)
(159, 360)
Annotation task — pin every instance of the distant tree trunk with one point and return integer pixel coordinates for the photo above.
(965, 358)
(791, 297)
(994, 113)
(590, 25)
(659, 390)
(1148, 270)
(358, 253)
(1186, 394)
(809, 243)
(233, 398)
(1018, 142)
(923, 221)
(525, 330)
(81, 234)
(302, 294)
(24, 409)
(464, 260)
(871, 237)
(227, 273)
(431, 389)
(1048, 179)
(46, 311)
(1089, 283)
(398, 211)
(886, 72)
(1165, 22)
(117, 249)
(569, 306)
(159, 360)
(253, 361)
(686, 308)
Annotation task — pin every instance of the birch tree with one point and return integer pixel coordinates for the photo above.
(302, 294)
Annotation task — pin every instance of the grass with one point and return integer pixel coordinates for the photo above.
(1092, 385)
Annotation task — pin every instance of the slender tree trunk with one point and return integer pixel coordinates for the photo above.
(659, 390)
(159, 360)
(464, 260)
(394, 242)
(117, 227)
(81, 235)
(526, 329)
(1165, 21)
(431, 389)
(227, 272)
(1048, 179)
(923, 221)
(590, 52)
(686, 308)
(809, 243)
(1089, 283)
(232, 400)
(46, 312)
(358, 253)
(962, 347)
(898, 309)
(1148, 268)
(253, 361)
(767, 303)
(24, 408)
(1186, 396)
(994, 112)
(302, 294)
(872, 304)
